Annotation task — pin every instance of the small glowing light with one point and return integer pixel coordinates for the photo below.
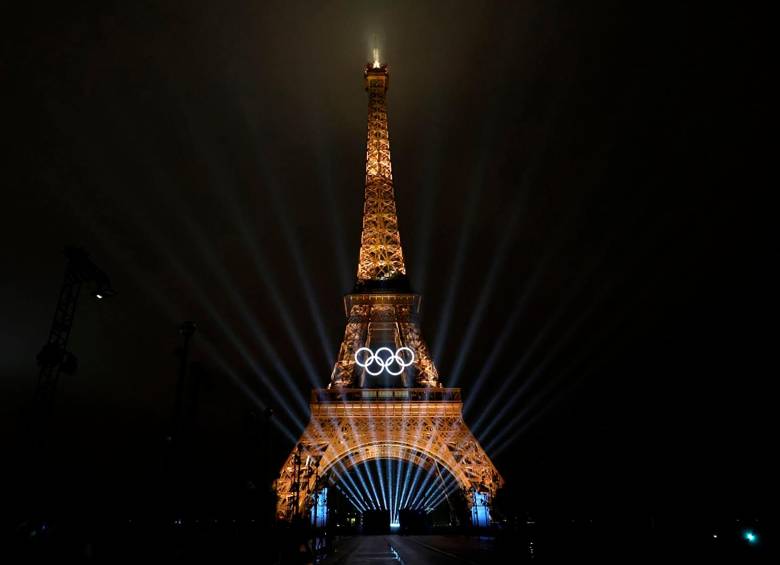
(98, 296)
(751, 537)
(715, 536)
(395, 525)
(376, 59)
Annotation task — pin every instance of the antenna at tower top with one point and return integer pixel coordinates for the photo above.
(376, 58)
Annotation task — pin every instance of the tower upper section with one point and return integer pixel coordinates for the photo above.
(381, 264)
(383, 314)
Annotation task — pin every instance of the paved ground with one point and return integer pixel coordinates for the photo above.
(413, 550)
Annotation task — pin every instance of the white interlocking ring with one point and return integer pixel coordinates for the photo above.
(402, 357)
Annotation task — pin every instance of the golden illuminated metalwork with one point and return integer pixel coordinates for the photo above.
(411, 417)
(351, 426)
(381, 257)
(383, 319)
(381, 311)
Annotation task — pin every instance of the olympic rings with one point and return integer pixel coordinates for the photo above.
(366, 358)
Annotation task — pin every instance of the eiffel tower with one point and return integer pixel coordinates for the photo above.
(385, 399)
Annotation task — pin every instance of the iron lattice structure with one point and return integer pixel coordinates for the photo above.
(410, 417)
(381, 256)
(352, 426)
(383, 319)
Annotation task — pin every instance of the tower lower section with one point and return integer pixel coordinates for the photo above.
(423, 426)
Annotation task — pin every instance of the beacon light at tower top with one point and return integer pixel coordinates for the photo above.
(376, 59)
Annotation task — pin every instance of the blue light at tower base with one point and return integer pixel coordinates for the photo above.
(319, 510)
(480, 509)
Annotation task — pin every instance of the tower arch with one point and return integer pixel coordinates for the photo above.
(399, 451)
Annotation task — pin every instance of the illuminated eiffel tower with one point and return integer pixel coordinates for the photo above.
(384, 399)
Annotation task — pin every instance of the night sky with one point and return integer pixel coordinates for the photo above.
(573, 182)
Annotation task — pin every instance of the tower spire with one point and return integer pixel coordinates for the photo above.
(381, 262)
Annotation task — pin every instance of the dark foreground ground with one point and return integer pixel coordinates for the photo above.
(413, 550)
(229, 541)
(495, 550)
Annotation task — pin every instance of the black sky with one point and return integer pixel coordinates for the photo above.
(584, 166)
